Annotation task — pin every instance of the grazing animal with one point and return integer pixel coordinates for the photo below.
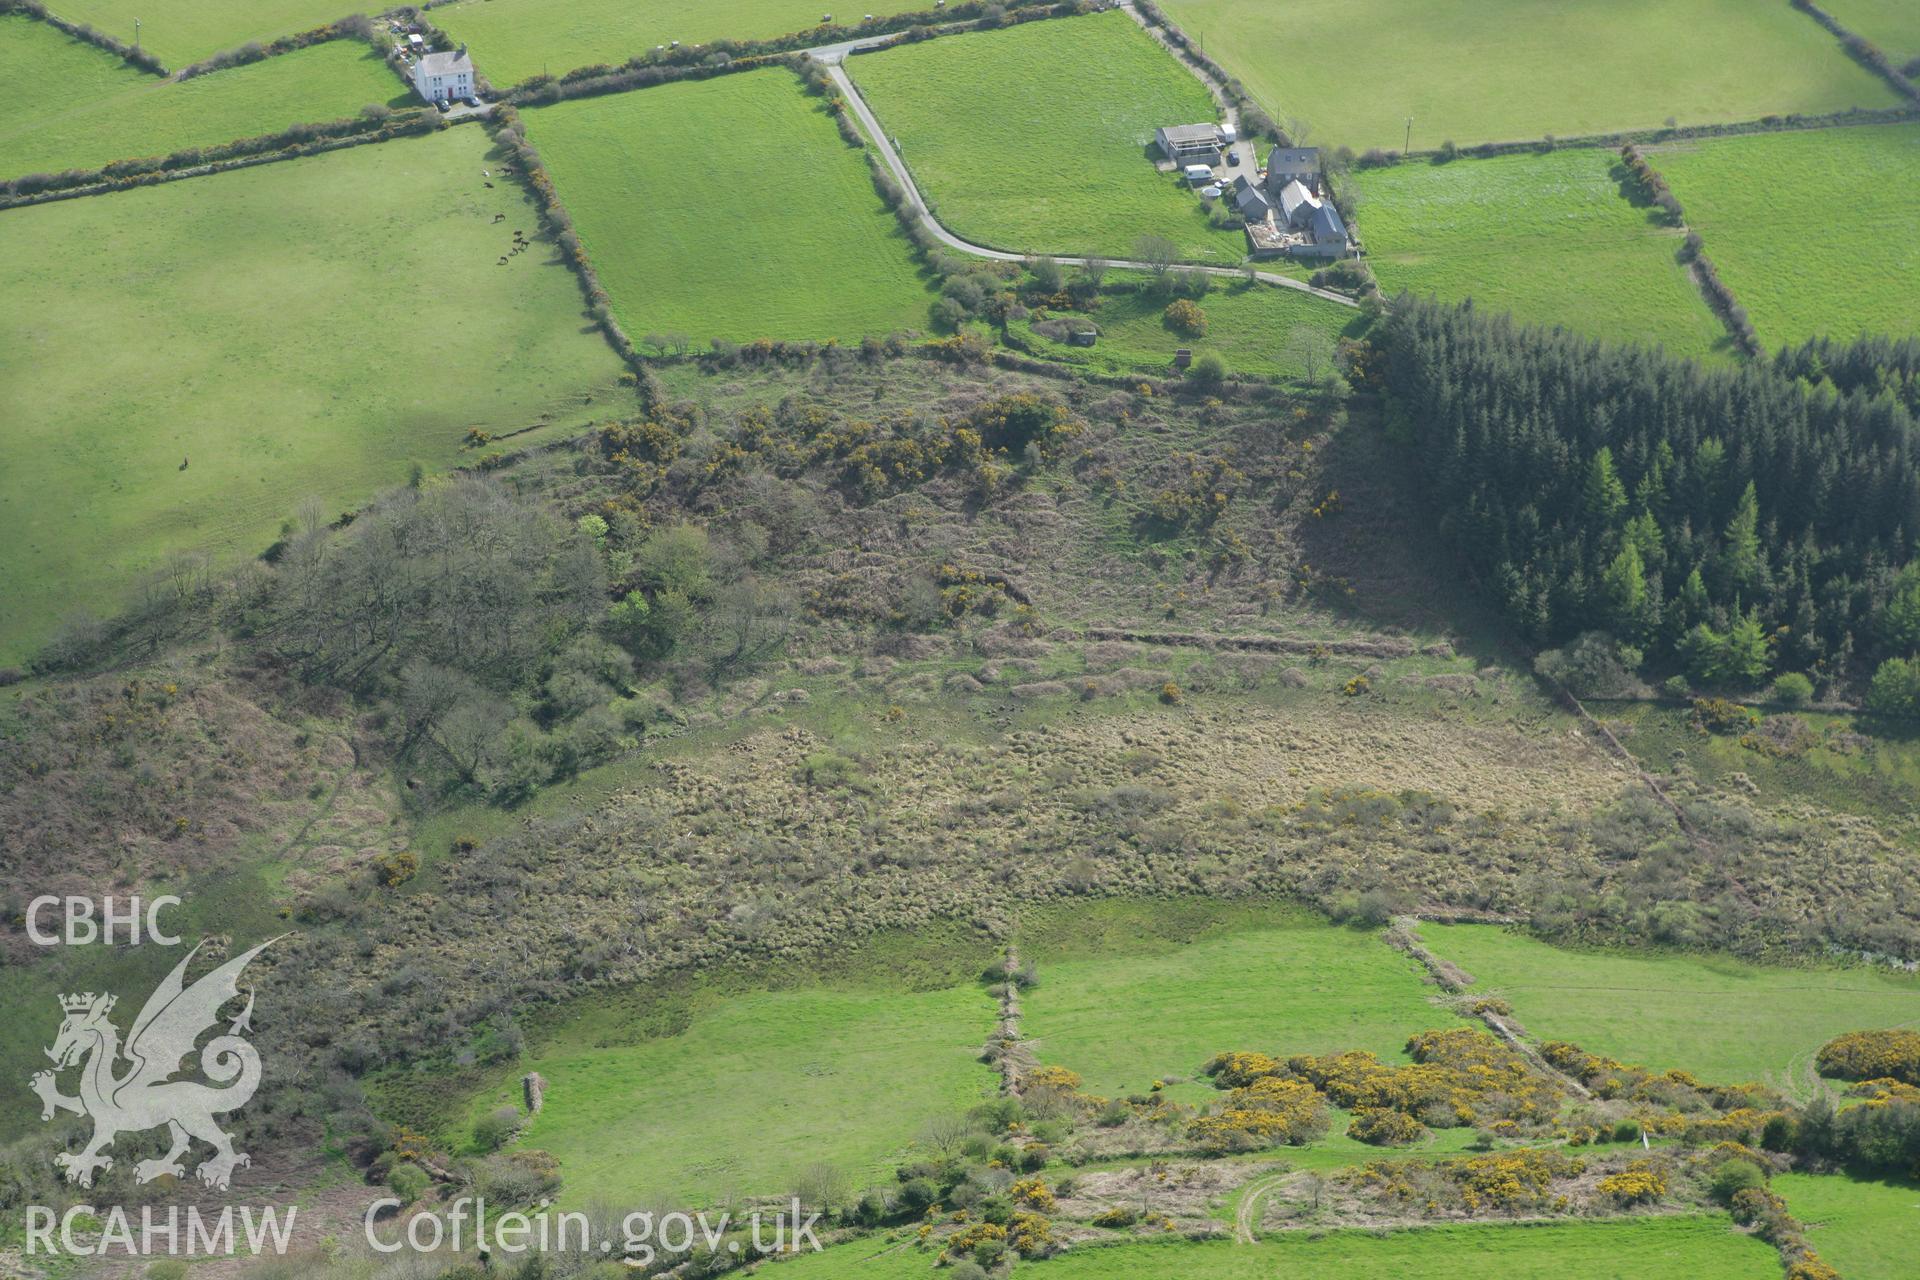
(502, 262)
(487, 185)
(499, 218)
(183, 464)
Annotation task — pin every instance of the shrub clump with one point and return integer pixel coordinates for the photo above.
(1033, 1193)
(1460, 1076)
(1266, 1112)
(1639, 1183)
(1872, 1055)
(1379, 1127)
(1507, 1183)
(1722, 716)
(1185, 317)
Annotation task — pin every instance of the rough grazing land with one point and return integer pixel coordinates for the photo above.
(754, 1088)
(515, 39)
(1725, 1021)
(186, 31)
(128, 117)
(1842, 768)
(1508, 70)
(768, 227)
(1869, 1230)
(1646, 1249)
(1547, 237)
(226, 346)
(1125, 1008)
(235, 903)
(1858, 273)
(1055, 158)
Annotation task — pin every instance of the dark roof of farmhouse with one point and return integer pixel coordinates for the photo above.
(1294, 159)
(1249, 198)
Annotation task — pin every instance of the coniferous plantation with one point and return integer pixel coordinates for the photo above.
(592, 689)
(1728, 523)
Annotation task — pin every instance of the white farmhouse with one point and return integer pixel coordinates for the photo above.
(441, 77)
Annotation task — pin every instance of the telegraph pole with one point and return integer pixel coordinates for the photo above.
(136, 35)
(1407, 149)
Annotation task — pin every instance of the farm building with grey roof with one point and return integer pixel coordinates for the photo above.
(1191, 143)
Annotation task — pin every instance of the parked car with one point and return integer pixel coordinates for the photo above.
(473, 102)
(1233, 157)
(443, 104)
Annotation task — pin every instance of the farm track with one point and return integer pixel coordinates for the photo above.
(1405, 933)
(871, 124)
(1246, 1216)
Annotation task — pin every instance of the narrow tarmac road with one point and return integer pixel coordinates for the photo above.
(831, 56)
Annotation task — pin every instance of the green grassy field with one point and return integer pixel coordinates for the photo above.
(46, 74)
(1643, 1249)
(1851, 266)
(309, 327)
(1131, 992)
(126, 116)
(768, 227)
(1868, 1230)
(1894, 25)
(186, 31)
(1547, 237)
(513, 40)
(1055, 158)
(1565, 67)
(1259, 329)
(1723, 1020)
(749, 1087)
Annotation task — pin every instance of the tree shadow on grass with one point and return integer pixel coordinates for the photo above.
(1382, 544)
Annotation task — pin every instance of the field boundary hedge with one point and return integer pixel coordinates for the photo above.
(1862, 50)
(1706, 275)
(509, 134)
(1253, 116)
(964, 15)
(645, 73)
(88, 33)
(355, 26)
(1793, 122)
(194, 162)
(543, 91)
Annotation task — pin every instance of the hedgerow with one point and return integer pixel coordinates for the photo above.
(353, 27)
(1654, 189)
(140, 58)
(379, 125)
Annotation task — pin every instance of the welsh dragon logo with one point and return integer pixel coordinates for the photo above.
(144, 1095)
